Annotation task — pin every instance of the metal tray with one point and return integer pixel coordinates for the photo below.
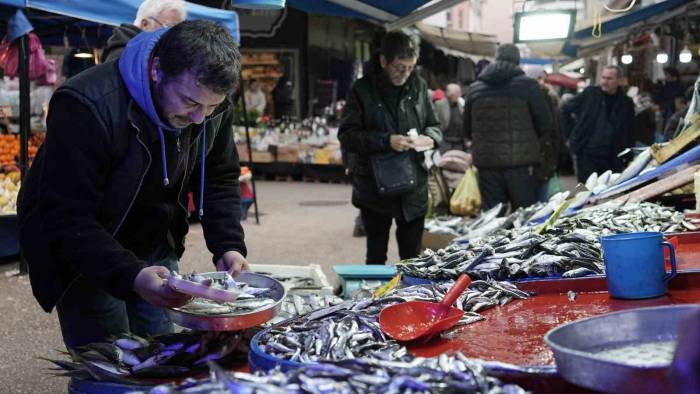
(620, 352)
(234, 322)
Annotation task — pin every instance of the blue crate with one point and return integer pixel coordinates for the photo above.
(258, 360)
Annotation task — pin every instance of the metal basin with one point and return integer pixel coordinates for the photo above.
(620, 352)
(234, 322)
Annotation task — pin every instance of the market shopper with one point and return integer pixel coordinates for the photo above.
(510, 125)
(598, 125)
(668, 90)
(681, 105)
(381, 109)
(449, 111)
(255, 99)
(102, 217)
(151, 16)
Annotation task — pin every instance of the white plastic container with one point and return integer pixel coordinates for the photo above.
(314, 271)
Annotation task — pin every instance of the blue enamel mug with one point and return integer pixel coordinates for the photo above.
(634, 264)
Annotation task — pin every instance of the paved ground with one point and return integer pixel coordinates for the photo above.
(300, 223)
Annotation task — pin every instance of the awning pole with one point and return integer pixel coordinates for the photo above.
(421, 14)
(250, 150)
(24, 125)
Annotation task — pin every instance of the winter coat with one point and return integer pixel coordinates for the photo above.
(443, 110)
(95, 167)
(365, 130)
(579, 117)
(507, 118)
(116, 43)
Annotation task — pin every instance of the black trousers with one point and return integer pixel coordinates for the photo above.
(377, 226)
(515, 185)
(89, 314)
(588, 164)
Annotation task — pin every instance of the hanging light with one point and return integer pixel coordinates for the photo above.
(685, 56)
(626, 58)
(84, 51)
(582, 70)
(662, 57)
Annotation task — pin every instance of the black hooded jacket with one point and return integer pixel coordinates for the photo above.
(507, 118)
(93, 177)
(116, 43)
(372, 109)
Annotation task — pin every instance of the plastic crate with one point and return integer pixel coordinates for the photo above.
(352, 276)
(259, 361)
(314, 271)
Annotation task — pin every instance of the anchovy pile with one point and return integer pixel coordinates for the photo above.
(351, 330)
(487, 223)
(203, 306)
(130, 357)
(297, 304)
(614, 218)
(569, 248)
(250, 300)
(503, 257)
(445, 374)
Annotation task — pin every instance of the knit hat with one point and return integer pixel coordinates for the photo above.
(508, 53)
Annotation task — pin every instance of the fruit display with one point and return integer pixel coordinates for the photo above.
(9, 187)
(9, 150)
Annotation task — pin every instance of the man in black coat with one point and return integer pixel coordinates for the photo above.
(598, 125)
(381, 109)
(102, 213)
(151, 16)
(510, 124)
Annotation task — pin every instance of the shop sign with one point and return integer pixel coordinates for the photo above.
(260, 23)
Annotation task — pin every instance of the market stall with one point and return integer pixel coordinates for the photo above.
(530, 273)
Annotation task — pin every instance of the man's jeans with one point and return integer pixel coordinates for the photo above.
(89, 314)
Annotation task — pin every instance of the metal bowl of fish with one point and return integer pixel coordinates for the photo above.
(261, 301)
(620, 352)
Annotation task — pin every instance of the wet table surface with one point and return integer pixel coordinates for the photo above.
(514, 333)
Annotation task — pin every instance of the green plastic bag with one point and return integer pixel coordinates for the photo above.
(466, 199)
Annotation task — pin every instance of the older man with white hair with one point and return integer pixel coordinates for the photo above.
(151, 16)
(449, 112)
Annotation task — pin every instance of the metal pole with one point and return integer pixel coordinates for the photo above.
(24, 126)
(241, 96)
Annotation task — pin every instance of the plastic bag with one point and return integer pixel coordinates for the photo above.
(466, 199)
(438, 194)
(9, 58)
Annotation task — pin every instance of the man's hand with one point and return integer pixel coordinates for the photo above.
(233, 262)
(150, 284)
(400, 143)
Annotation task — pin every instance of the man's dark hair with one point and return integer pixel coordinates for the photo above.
(672, 71)
(203, 47)
(617, 69)
(398, 45)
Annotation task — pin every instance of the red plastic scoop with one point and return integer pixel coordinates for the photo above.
(411, 320)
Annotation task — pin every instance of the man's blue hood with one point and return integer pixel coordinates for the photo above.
(133, 67)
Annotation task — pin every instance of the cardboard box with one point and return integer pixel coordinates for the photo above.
(314, 271)
(435, 241)
(258, 157)
(288, 153)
